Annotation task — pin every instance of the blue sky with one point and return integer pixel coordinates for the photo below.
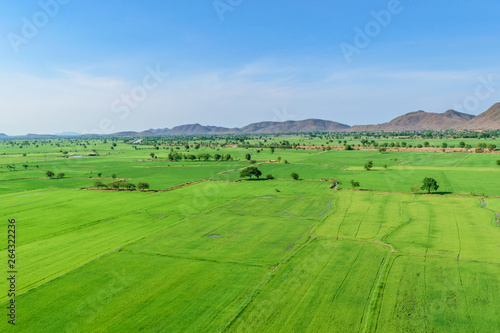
(68, 65)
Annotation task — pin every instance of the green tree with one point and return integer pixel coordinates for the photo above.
(369, 165)
(130, 186)
(250, 171)
(50, 174)
(269, 176)
(142, 185)
(354, 184)
(25, 166)
(248, 157)
(294, 175)
(429, 184)
(113, 176)
(60, 175)
(498, 162)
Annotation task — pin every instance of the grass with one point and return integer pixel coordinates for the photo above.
(259, 255)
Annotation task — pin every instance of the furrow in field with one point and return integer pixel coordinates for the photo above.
(377, 296)
(363, 217)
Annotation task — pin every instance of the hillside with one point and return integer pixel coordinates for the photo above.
(290, 126)
(420, 121)
(488, 120)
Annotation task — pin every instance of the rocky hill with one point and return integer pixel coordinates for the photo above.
(488, 120)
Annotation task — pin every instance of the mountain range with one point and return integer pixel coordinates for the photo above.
(413, 121)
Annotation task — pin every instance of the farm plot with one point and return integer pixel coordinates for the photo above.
(363, 215)
(439, 295)
(129, 292)
(52, 239)
(448, 227)
(259, 231)
(326, 287)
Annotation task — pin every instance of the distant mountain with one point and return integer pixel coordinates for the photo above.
(199, 129)
(68, 134)
(488, 120)
(291, 126)
(3, 136)
(420, 121)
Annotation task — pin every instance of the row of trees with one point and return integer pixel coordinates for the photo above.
(176, 156)
(121, 185)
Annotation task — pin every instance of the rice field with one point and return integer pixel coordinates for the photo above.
(223, 255)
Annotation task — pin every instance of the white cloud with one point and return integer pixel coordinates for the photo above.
(78, 102)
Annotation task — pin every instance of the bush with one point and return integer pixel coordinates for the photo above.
(269, 176)
(142, 185)
(99, 184)
(294, 175)
(60, 175)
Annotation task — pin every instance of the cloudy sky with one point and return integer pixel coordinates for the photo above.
(107, 66)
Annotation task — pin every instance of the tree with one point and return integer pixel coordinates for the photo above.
(250, 171)
(498, 162)
(50, 174)
(25, 166)
(269, 176)
(248, 157)
(142, 185)
(152, 155)
(369, 165)
(381, 149)
(130, 186)
(99, 174)
(272, 150)
(294, 175)
(354, 184)
(60, 175)
(429, 184)
(113, 176)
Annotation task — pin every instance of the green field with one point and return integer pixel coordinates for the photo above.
(224, 255)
